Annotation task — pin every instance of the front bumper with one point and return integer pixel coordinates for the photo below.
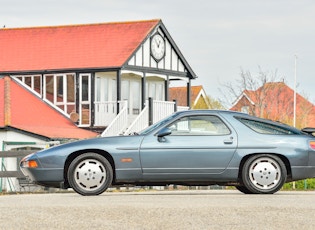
(50, 177)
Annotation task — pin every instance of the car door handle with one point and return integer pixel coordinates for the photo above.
(228, 141)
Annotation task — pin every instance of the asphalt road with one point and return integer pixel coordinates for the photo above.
(206, 209)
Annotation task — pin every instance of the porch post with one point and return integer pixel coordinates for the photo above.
(166, 86)
(92, 105)
(118, 80)
(175, 105)
(143, 90)
(188, 93)
(150, 111)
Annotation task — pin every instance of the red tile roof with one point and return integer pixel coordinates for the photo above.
(275, 101)
(22, 110)
(83, 46)
(180, 94)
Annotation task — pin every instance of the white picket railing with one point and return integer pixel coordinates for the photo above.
(140, 123)
(119, 124)
(106, 111)
(162, 109)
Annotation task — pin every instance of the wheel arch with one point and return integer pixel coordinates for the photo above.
(73, 155)
(282, 157)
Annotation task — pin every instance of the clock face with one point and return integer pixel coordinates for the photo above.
(157, 47)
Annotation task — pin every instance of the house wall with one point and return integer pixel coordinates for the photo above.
(245, 106)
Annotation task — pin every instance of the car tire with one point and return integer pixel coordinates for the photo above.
(243, 189)
(90, 174)
(264, 174)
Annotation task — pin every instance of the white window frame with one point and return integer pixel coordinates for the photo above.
(22, 78)
(87, 102)
(57, 103)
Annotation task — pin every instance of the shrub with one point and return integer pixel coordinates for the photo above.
(308, 184)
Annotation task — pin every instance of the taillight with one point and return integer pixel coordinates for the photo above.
(312, 145)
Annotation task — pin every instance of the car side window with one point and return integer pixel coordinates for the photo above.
(199, 126)
(264, 128)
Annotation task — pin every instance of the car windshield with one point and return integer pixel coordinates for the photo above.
(158, 124)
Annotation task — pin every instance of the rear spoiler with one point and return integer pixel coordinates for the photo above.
(308, 130)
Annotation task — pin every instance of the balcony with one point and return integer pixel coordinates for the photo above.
(123, 123)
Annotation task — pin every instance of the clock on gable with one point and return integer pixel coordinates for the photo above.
(157, 46)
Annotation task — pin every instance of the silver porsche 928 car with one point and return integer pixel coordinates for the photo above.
(196, 147)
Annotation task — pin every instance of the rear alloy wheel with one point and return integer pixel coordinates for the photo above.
(264, 174)
(90, 174)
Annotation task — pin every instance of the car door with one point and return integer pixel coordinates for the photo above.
(191, 146)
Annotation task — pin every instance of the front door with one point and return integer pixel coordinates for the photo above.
(198, 145)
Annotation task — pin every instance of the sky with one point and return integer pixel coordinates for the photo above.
(218, 38)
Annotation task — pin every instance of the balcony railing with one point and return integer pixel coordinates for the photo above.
(105, 112)
(162, 109)
(140, 123)
(120, 124)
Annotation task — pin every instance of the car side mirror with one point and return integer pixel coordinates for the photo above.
(164, 132)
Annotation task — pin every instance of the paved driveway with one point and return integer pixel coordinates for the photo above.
(211, 209)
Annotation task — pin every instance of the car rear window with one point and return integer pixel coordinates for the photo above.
(265, 128)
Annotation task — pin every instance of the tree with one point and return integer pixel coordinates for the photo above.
(267, 97)
(214, 103)
(249, 84)
(208, 103)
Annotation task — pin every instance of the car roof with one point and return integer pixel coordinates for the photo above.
(203, 111)
(238, 114)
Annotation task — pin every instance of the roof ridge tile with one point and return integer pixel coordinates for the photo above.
(81, 25)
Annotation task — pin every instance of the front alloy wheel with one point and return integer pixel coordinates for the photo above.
(243, 189)
(264, 174)
(90, 174)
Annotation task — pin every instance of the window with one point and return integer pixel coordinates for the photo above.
(32, 81)
(245, 109)
(199, 125)
(85, 100)
(59, 89)
(265, 128)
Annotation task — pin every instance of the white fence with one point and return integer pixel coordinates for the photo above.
(119, 124)
(162, 109)
(105, 112)
(140, 123)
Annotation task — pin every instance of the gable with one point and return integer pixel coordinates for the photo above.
(180, 95)
(105, 45)
(172, 61)
(21, 110)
